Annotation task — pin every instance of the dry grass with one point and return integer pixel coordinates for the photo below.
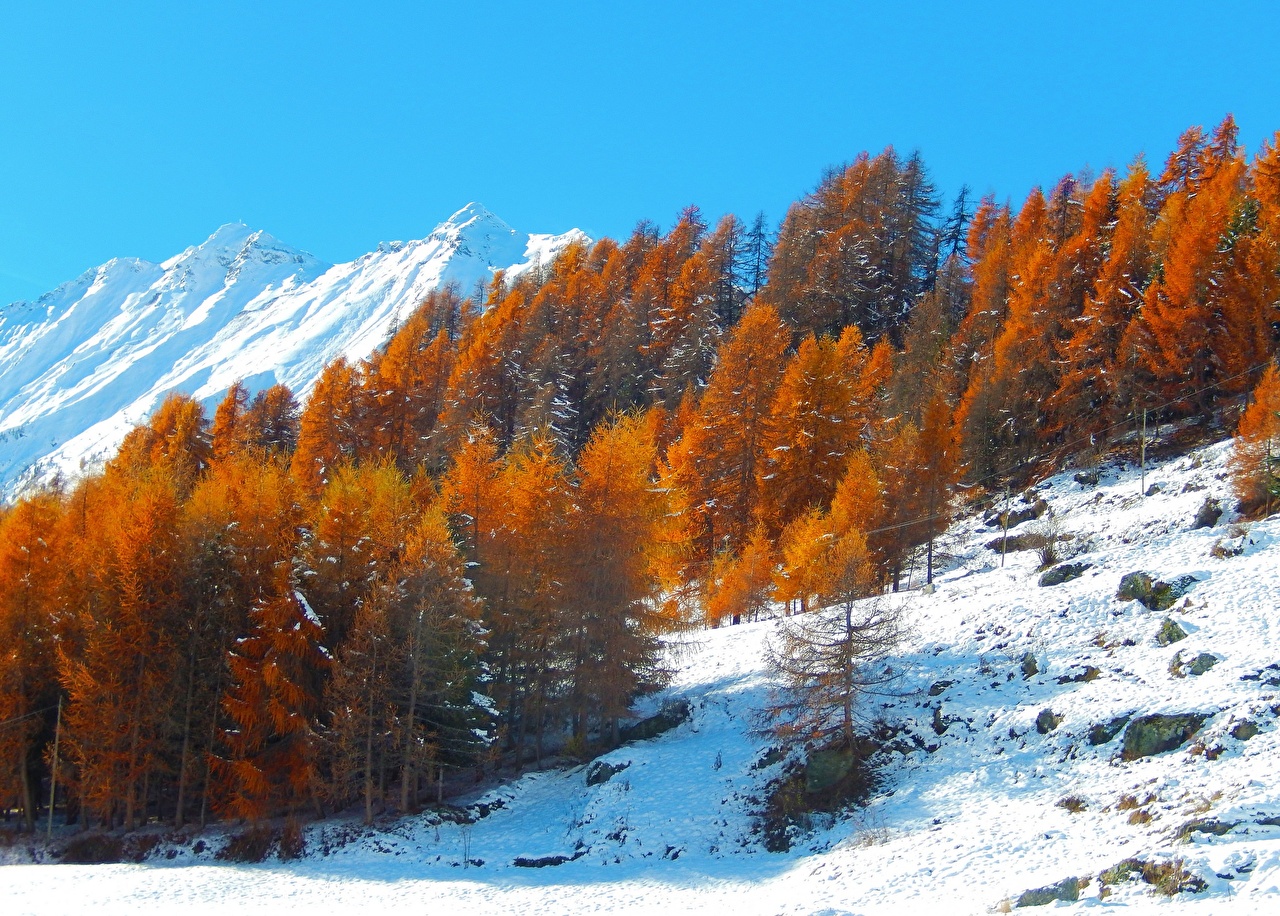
(1073, 803)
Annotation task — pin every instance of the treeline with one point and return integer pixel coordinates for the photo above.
(469, 546)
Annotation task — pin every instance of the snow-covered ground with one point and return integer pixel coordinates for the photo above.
(85, 363)
(964, 821)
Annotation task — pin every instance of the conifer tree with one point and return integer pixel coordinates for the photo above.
(717, 461)
(434, 621)
(232, 431)
(31, 551)
(333, 427)
(119, 684)
(269, 765)
(1255, 462)
(273, 417)
(625, 553)
(824, 409)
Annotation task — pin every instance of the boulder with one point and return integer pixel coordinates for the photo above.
(1169, 632)
(602, 771)
(1016, 517)
(1106, 731)
(1082, 676)
(672, 714)
(1208, 514)
(1156, 734)
(1153, 593)
(546, 861)
(1068, 890)
(1135, 586)
(1245, 730)
(1047, 721)
(1063, 572)
(1202, 663)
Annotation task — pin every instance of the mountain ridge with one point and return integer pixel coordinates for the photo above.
(82, 364)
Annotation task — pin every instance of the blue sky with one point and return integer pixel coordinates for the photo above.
(137, 128)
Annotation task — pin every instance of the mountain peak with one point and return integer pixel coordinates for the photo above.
(239, 305)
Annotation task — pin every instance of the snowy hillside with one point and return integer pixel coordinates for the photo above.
(1006, 773)
(83, 364)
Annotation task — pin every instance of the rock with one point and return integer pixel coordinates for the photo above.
(1017, 516)
(1204, 825)
(672, 714)
(1089, 673)
(825, 769)
(939, 687)
(1154, 489)
(1104, 732)
(1207, 516)
(1086, 478)
(1156, 734)
(1245, 730)
(1154, 594)
(1030, 668)
(601, 771)
(1166, 593)
(1135, 586)
(1170, 632)
(1047, 721)
(546, 861)
(769, 758)
(940, 722)
(1068, 890)
(1032, 540)
(1202, 663)
(1064, 572)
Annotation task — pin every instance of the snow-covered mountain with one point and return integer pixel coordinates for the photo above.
(83, 364)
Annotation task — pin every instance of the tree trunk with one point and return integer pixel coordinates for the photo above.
(406, 775)
(28, 815)
(368, 757)
(180, 815)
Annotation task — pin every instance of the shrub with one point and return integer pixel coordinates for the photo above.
(252, 845)
(1072, 803)
(92, 849)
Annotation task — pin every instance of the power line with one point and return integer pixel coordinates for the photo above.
(29, 715)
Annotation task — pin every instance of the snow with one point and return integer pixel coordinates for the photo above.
(85, 363)
(963, 822)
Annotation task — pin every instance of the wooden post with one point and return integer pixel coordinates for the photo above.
(1142, 452)
(1004, 540)
(53, 778)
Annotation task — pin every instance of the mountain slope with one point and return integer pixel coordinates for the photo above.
(83, 364)
(972, 808)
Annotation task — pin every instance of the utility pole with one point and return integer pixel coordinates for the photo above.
(53, 779)
(1004, 540)
(1142, 452)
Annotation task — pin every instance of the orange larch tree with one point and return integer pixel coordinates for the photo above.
(717, 461)
(1255, 463)
(31, 552)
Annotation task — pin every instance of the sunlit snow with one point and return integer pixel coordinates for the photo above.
(963, 822)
